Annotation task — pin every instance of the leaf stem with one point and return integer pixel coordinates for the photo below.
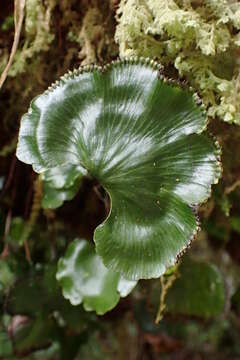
(166, 283)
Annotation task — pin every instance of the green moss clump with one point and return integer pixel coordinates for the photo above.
(200, 39)
(38, 36)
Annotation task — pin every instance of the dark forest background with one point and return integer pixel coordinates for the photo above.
(36, 322)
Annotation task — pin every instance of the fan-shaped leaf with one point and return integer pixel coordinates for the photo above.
(60, 184)
(86, 280)
(140, 137)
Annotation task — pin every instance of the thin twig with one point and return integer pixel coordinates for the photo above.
(166, 283)
(10, 175)
(18, 20)
(5, 251)
(36, 206)
(231, 188)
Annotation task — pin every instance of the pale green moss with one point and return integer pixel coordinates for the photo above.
(201, 39)
(38, 36)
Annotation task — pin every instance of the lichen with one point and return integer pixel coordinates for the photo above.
(200, 39)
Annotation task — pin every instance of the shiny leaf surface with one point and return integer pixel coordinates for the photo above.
(84, 279)
(60, 184)
(140, 137)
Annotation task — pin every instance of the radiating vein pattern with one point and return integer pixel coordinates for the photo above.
(142, 138)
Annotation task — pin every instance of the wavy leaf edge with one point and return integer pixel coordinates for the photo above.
(109, 286)
(172, 82)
